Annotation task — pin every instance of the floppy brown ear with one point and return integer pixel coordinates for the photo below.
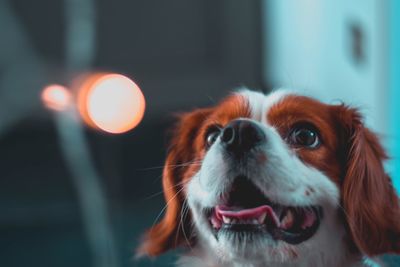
(173, 230)
(368, 197)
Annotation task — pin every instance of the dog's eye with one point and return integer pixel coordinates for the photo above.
(211, 135)
(305, 136)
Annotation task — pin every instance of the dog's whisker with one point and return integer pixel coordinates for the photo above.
(181, 226)
(162, 191)
(171, 165)
(174, 167)
(166, 206)
(185, 212)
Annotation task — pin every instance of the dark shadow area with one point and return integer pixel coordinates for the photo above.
(183, 54)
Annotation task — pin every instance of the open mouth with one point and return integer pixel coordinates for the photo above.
(247, 209)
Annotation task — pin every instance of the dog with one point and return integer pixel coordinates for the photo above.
(275, 180)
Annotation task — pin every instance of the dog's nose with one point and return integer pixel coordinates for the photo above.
(241, 135)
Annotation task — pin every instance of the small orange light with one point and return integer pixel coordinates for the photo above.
(56, 97)
(111, 102)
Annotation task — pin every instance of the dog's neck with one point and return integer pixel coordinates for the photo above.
(199, 257)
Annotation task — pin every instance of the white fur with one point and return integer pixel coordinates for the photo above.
(284, 178)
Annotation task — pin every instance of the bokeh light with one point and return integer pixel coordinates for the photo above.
(111, 102)
(56, 97)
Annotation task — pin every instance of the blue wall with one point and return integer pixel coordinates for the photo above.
(395, 90)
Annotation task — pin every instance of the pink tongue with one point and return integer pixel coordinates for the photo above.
(246, 214)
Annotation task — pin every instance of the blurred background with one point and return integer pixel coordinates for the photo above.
(73, 193)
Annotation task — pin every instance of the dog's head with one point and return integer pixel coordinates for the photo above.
(276, 178)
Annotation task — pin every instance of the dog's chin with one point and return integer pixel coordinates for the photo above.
(246, 222)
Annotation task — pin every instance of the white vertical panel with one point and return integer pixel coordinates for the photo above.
(394, 133)
(308, 47)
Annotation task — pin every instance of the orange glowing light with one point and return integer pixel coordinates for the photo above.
(56, 97)
(111, 102)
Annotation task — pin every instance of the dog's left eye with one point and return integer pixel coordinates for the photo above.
(305, 136)
(212, 135)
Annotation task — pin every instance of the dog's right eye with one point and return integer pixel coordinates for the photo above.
(211, 135)
(305, 136)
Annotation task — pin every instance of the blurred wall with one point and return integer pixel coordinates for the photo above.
(336, 51)
(394, 38)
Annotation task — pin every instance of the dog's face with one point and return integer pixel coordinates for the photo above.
(267, 187)
(276, 178)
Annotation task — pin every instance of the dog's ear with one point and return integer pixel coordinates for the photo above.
(174, 228)
(370, 203)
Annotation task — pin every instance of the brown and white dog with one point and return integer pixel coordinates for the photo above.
(275, 180)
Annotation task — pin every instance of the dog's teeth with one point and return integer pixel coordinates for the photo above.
(226, 220)
(288, 220)
(262, 217)
(259, 220)
(309, 219)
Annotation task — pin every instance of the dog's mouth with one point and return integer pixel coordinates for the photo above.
(247, 209)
